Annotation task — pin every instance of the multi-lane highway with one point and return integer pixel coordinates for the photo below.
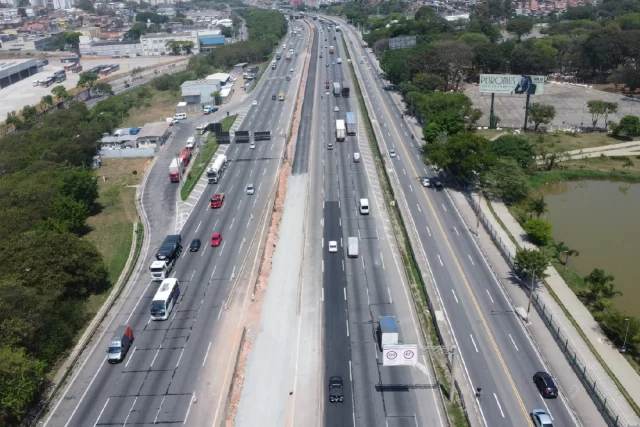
(497, 353)
(156, 384)
(356, 291)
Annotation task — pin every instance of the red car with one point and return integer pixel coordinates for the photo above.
(216, 239)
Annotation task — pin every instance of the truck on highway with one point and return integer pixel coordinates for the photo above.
(352, 247)
(345, 92)
(281, 96)
(287, 57)
(388, 331)
(217, 167)
(185, 156)
(273, 64)
(337, 89)
(166, 257)
(351, 123)
(337, 28)
(339, 61)
(217, 200)
(332, 49)
(341, 132)
(175, 170)
(278, 55)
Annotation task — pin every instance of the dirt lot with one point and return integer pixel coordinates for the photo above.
(23, 93)
(160, 106)
(570, 103)
(563, 141)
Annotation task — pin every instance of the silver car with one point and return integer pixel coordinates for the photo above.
(251, 189)
(392, 153)
(541, 418)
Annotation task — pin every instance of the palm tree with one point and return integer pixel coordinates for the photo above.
(561, 248)
(537, 206)
(628, 163)
(601, 289)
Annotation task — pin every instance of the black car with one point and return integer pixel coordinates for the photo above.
(195, 245)
(273, 97)
(436, 183)
(335, 389)
(288, 78)
(545, 384)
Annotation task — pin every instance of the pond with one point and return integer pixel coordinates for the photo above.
(601, 220)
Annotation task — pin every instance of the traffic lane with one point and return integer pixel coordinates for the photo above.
(337, 351)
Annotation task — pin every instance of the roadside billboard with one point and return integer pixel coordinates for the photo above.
(399, 355)
(512, 84)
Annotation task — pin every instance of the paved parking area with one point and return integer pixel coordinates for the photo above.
(570, 102)
(16, 96)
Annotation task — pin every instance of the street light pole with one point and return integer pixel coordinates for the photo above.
(533, 280)
(624, 345)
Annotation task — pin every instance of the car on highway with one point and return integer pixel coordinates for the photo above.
(361, 61)
(216, 239)
(333, 246)
(273, 97)
(252, 145)
(291, 70)
(425, 182)
(330, 146)
(392, 153)
(336, 389)
(255, 102)
(541, 418)
(437, 184)
(195, 245)
(336, 109)
(545, 384)
(327, 64)
(334, 62)
(251, 189)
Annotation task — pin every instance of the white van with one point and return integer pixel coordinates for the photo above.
(180, 116)
(364, 206)
(356, 157)
(191, 142)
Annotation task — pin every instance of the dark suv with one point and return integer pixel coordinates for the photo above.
(545, 384)
(335, 389)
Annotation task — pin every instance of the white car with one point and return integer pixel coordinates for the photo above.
(333, 246)
(336, 109)
(392, 153)
(252, 145)
(425, 182)
(254, 102)
(251, 189)
(291, 70)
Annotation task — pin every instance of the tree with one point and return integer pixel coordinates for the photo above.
(103, 88)
(506, 180)
(87, 80)
(217, 98)
(628, 163)
(455, 58)
(629, 126)
(21, 377)
(541, 114)
(538, 230)
(81, 186)
(629, 76)
(621, 326)
(560, 249)
(427, 82)
(47, 101)
(520, 26)
(464, 154)
(609, 108)
(516, 147)
(537, 206)
(60, 92)
(531, 262)
(175, 46)
(86, 5)
(188, 46)
(601, 290)
(72, 39)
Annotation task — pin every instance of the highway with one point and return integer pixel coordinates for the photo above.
(156, 383)
(497, 353)
(356, 291)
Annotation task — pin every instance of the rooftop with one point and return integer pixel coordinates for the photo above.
(222, 77)
(12, 63)
(153, 130)
(196, 83)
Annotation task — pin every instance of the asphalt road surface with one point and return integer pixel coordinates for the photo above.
(155, 384)
(359, 290)
(496, 351)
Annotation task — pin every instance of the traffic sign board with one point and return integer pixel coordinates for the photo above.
(400, 355)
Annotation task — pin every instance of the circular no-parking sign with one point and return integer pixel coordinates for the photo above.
(392, 355)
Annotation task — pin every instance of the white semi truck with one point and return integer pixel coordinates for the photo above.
(217, 167)
(341, 130)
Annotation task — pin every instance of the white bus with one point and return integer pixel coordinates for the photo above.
(165, 299)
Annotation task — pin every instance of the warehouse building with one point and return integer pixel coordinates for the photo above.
(18, 69)
(199, 91)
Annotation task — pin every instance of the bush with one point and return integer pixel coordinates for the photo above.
(539, 231)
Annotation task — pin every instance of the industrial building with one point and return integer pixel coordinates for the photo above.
(18, 69)
(90, 47)
(199, 91)
(156, 44)
(25, 43)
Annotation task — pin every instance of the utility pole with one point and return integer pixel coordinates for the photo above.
(533, 280)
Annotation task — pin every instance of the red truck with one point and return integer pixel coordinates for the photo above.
(185, 156)
(287, 57)
(216, 200)
(175, 170)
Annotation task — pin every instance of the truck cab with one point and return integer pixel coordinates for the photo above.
(217, 200)
(160, 270)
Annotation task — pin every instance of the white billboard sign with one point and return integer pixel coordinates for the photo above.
(402, 42)
(400, 355)
(511, 83)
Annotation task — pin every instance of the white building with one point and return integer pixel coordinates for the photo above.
(12, 3)
(62, 4)
(92, 47)
(224, 23)
(156, 44)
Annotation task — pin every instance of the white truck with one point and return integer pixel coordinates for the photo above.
(388, 331)
(217, 167)
(352, 247)
(166, 257)
(341, 130)
(273, 64)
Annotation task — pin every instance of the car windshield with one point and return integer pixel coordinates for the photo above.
(114, 349)
(156, 269)
(158, 308)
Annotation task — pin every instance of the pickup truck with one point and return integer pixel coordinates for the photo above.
(217, 200)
